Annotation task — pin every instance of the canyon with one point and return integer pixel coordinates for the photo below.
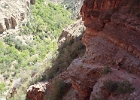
(110, 67)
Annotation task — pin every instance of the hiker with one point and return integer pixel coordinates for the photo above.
(119, 65)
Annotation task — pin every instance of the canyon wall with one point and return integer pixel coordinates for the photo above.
(111, 39)
(110, 67)
(69, 47)
(13, 14)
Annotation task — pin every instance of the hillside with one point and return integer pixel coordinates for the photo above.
(109, 69)
(26, 50)
(46, 58)
(13, 14)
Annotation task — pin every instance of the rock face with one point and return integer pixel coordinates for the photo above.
(13, 13)
(111, 39)
(37, 91)
(70, 39)
(74, 30)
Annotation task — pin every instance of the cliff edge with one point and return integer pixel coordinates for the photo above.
(110, 68)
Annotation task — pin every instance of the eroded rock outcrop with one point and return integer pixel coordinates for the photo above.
(38, 91)
(71, 47)
(13, 14)
(73, 31)
(112, 37)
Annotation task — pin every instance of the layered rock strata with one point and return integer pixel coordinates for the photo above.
(112, 36)
(13, 14)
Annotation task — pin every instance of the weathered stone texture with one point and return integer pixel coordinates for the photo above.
(112, 36)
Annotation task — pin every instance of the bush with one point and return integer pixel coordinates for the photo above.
(124, 87)
(110, 86)
(118, 87)
(106, 70)
(57, 89)
(67, 53)
(95, 98)
(2, 87)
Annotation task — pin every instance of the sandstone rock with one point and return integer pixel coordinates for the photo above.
(116, 76)
(1, 28)
(12, 14)
(37, 91)
(14, 23)
(70, 95)
(74, 30)
(112, 37)
(7, 23)
(22, 16)
(79, 72)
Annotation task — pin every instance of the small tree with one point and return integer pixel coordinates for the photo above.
(57, 89)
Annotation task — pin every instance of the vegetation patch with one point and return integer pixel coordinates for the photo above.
(118, 87)
(57, 89)
(47, 22)
(124, 87)
(35, 46)
(106, 70)
(96, 98)
(67, 53)
(2, 87)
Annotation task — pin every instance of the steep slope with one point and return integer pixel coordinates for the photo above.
(70, 47)
(109, 69)
(13, 14)
(111, 39)
(73, 5)
(24, 55)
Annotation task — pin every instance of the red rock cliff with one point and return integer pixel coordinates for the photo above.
(111, 39)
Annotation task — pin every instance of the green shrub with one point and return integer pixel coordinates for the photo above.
(124, 87)
(57, 89)
(110, 86)
(118, 87)
(2, 87)
(95, 98)
(106, 70)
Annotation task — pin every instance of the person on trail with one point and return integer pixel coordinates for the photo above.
(119, 65)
